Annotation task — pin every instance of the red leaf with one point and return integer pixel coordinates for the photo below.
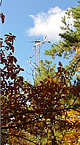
(1, 43)
(21, 69)
(1, 39)
(2, 17)
(60, 63)
(3, 53)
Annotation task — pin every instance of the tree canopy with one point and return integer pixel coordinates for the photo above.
(47, 112)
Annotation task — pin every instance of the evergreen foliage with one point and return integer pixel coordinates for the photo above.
(48, 112)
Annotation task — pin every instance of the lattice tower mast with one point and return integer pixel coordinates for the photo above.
(36, 48)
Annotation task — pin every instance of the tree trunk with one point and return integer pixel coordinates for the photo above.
(52, 132)
(53, 139)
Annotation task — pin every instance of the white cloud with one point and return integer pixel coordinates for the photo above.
(48, 24)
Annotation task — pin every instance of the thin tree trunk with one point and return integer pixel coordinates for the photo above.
(52, 132)
(53, 138)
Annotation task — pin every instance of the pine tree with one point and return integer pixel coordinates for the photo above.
(46, 69)
(68, 47)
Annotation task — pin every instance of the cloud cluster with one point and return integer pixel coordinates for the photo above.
(48, 24)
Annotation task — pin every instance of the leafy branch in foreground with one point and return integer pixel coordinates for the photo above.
(48, 110)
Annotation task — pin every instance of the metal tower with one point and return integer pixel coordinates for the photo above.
(36, 48)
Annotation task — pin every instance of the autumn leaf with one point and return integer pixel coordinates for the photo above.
(2, 17)
(60, 63)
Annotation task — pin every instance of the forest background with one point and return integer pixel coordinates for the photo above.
(48, 111)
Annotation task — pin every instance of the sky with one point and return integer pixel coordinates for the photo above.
(31, 20)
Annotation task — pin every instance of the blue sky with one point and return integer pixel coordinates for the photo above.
(30, 20)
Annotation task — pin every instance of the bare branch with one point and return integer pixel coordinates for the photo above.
(19, 137)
